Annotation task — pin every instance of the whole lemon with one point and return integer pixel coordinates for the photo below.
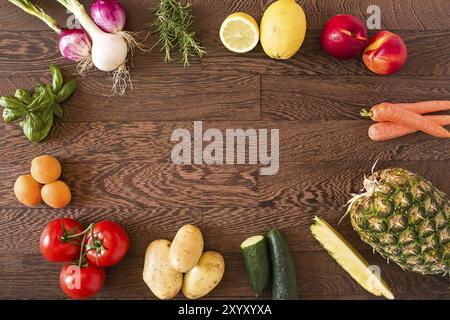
(45, 169)
(27, 191)
(56, 194)
(283, 29)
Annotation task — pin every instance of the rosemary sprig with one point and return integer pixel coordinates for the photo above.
(173, 22)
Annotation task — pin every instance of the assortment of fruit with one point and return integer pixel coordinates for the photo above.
(182, 265)
(43, 184)
(345, 37)
(85, 253)
(282, 30)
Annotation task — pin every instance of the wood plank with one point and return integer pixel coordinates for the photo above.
(40, 50)
(327, 98)
(300, 141)
(21, 228)
(319, 276)
(398, 15)
(143, 185)
(194, 96)
(32, 56)
(323, 184)
(427, 56)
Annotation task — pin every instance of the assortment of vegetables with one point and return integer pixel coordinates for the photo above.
(110, 51)
(182, 265)
(260, 254)
(395, 120)
(173, 23)
(43, 184)
(165, 262)
(102, 43)
(36, 110)
(86, 253)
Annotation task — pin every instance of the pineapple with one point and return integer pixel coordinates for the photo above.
(404, 218)
(349, 259)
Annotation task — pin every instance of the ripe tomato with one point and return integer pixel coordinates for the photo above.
(81, 283)
(109, 246)
(52, 242)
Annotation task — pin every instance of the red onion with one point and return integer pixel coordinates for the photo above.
(74, 44)
(109, 15)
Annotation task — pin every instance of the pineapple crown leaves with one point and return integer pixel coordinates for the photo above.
(370, 186)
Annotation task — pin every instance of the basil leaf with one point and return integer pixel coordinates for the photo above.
(44, 101)
(57, 79)
(10, 115)
(47, 118)
(32, 127)
(66, 91)
(38, 91)
(58, 110)
(24, 96)
(10, 102)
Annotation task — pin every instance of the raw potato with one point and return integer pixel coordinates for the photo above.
(186, 248)
(205, 276)
(160, 277)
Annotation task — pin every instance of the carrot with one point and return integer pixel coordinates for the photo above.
(384, 131)
(424, 106)
(388, 113)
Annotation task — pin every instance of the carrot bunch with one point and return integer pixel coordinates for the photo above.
(399, 119)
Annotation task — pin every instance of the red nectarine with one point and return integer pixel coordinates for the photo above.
(386, 53)
(344, 36)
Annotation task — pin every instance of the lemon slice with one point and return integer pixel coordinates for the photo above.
(349, 259)
(239, 32)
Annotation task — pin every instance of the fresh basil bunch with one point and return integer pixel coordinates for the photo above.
(36, 110)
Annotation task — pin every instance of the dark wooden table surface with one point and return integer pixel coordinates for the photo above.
(115, 151)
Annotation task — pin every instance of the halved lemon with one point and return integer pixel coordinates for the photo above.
(349, 259)
(239, 32)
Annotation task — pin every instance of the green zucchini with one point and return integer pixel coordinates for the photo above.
(284, 275)
(256, 259)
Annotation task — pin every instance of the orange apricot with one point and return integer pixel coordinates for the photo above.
(45, 169)
(56, 194)
(27, 191)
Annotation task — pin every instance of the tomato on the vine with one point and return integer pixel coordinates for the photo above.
(56, 242)
(106, 244)
(81, 282)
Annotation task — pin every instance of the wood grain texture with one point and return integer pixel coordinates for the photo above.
(312, 60)
(300, 141)
(396, 15)
(158, 97)
(40, 50)
(142, 185)
(319, 277)
(314, 184)
(326, 98)
(115, 151)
